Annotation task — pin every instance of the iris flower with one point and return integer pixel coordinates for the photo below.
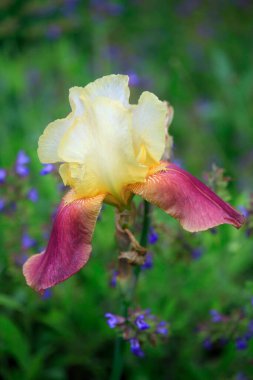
(110, 150)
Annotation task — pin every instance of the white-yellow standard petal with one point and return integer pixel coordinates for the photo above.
(113, 86)
(101, 144)
(76, 102)
(149, 119)
(50, 139)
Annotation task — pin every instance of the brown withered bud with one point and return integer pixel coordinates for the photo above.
(133, 257)
(124, 220)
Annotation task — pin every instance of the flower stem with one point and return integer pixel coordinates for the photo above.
(143, 240)
(117, 365)
(145, 225)
(118, 362)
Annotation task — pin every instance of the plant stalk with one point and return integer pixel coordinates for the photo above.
(118, 360)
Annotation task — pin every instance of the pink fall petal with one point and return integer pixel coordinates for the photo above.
(69, 245)
(187, 199)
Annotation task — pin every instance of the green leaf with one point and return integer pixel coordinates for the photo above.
(9, 303)
(13, 342)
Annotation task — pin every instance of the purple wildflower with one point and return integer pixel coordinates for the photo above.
(21, 164)
(33, 195)
(113, 281)
(47, 294)
(141, 323)
(250, 326)
(22, 170)
(47, 168)
(70, 6)
(215, 316)
(112, 320)
(134, 79)
(27, 241)
(2, 204)
(249, 333)
(148, 264)
(21, 259)
(136, 348)
(53, 32)
(196, 253)
(207, 344)
(106, 7)
(152, 236)
(22, 158)
(241, 343)
(162, 328)
(244, 211)
(240, 376)
(2, 175)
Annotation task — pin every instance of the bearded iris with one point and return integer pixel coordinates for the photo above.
(110, 150)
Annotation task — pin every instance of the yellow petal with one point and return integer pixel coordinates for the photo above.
(101, 146)
(114, 87)
(149, 119)
(75, 99)
(50, 140)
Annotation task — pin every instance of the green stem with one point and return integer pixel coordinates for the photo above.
(117, 366)
(145, 225)
(143, 240)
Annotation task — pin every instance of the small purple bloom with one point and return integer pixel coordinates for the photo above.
(2, 175)
(115, 9)
(162, 328)
(21, 162)
(207, 344)
(2, 204)
(22, 170)
(33, 195)
(244, 211)
(27, 241)
(197, 253)
(250, 326)
(148, 264)
(152, 236)
(112, 320)
(70, 6)
(241, 376)
(241, 343)
(107, 7)
(141, 323)
(47, 168)
(113, 281)
(22, 158)
(53, 32)
(136, 348)
(134, 79)
(47, 294)
(21, 259)
(215, 316)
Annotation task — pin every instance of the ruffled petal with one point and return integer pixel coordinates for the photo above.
(101, 147)
(113, 86)
(50, 140)
(69, 245)
(149, 121)
(187, 199)
(76, 102)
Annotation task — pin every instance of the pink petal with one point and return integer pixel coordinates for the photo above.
(69, 245)
(187, 199)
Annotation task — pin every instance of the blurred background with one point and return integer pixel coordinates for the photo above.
(198, 56)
